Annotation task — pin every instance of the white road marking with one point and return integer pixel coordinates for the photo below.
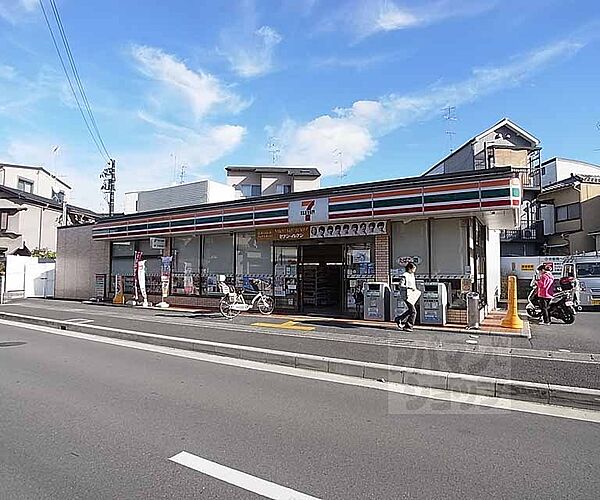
(240, 479)
(78, 320)
(409, 390)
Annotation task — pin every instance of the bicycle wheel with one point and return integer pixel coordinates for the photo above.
(226, 310)
(266, 305)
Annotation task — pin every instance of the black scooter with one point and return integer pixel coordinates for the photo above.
(561, 306)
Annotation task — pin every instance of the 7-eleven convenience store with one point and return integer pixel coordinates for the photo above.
(314, 248)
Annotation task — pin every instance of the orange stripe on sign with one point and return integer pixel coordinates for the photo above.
(206, 214)
(451, 187)
(238, 210)
(500, 182)
(398, 192)
(271, 206)
(350, 197)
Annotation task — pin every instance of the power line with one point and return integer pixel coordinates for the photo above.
(67, 46)
(104, 155)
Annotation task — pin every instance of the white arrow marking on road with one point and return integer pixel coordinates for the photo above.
(241, 479)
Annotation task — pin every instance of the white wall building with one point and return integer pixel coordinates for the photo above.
(180, 195)
(34, 180)
(558, 169)
(250, 180)
(32, 207)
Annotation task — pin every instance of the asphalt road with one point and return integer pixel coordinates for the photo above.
(581, 336)
(380, 346)
(80, 419)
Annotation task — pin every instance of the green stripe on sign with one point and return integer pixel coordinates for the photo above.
(458, 196)
(208, 220)
(516, 192)
(357, 205)
(237, 217)
(272, 213)
(397, 202)
(496, 193)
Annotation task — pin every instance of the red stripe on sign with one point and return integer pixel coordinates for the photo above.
(350, 197)
(495, 203)
(238, 224)
(451, 187)
(267, 222)
(405, 210)
(352, 215)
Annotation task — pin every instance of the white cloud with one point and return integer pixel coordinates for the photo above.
(364, 19)
(14, 11)
(249, 46)
(354, 130)
(202, 91)
(358, 63)
(251, 55)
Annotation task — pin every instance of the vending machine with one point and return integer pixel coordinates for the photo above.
(434, 302)
(377, 301)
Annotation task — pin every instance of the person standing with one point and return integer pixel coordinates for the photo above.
(408, 282)
(544, 292)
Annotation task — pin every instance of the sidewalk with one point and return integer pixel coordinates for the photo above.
(490, 326)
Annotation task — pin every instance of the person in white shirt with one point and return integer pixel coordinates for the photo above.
(407, 281)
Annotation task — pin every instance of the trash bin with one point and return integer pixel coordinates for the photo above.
(473, 310)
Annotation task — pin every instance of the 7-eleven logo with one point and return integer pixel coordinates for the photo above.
(308, 209)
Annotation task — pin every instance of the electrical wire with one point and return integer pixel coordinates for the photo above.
(104, 154)
(76, 73)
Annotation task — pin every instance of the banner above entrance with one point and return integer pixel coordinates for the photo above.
(282, 233)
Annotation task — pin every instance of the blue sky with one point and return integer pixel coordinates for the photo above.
(358, 86)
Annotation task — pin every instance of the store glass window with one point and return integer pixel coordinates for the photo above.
(217, 259)
(409, 243)
(186, 265)
(253, 259)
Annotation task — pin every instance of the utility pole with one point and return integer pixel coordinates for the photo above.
(109, 180)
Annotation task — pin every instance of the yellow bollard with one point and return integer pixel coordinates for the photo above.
(512, 320)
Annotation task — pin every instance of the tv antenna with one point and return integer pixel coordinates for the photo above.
(598, 128)
(339, 155)
(274, 149)
(182, 173)
(450, 117)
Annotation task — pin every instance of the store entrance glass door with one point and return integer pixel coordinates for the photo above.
(322, 268)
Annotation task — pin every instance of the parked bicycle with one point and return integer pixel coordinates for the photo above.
(234, 302)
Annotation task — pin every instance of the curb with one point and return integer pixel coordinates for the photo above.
(576, 397)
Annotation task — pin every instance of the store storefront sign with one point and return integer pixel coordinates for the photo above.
(282, 233)
(341, 230)
(310, 210)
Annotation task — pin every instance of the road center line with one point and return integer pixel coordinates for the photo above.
(237, 478)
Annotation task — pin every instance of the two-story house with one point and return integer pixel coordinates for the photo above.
(33, 204)
(250, 181)
(571, 213)
(505, 144)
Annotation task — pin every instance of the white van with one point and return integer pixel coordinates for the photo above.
(585, 269)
